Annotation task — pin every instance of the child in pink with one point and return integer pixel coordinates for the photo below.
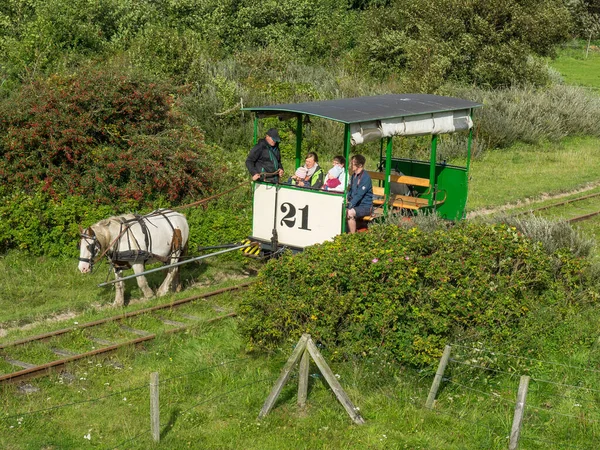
(336, 177)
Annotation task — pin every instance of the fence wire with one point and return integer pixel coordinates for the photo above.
(128, 440)
(91, 400)
(491, 395)
(225, 394)
(553, 444)
(556, 413)
(537, 380)
(204, 369)
(461, 418)
(477, 366)
(494, 353)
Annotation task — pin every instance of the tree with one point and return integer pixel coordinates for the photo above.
(487, 42)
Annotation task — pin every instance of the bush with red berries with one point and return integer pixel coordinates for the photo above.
(110, 137)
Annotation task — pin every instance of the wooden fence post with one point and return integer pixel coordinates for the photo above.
(285, 374)
(154, 407)
(334, 384)
(305, 349)
(438, 377)
(303, 379)
(519, 410)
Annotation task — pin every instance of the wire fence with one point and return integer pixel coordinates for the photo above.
(551, 405)
(45, 418)
(553, 409)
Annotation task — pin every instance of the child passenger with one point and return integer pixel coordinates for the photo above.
(336, 177)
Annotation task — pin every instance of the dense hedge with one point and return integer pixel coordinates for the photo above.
(401, 294)
(40, 224)
(109, 137)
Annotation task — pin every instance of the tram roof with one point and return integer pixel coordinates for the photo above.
(362, 109)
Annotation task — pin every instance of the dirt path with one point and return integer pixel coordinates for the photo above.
(531, 201)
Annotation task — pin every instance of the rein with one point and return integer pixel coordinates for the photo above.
(207, 199)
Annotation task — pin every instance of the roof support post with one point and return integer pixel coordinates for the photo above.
(469, 144)
(388, 170)
(255, 129)
(347, 136)
(432, 167)
(298, 140)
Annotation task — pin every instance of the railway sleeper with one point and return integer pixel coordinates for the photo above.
(63, 352)
(135, 331)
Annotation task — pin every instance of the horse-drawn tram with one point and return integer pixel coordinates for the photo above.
(289, 216)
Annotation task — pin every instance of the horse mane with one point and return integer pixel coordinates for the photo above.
(101, 228)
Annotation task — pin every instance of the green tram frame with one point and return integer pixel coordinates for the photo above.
(411, 115)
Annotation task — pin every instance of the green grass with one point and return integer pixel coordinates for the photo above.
(211, 392)
(38, 288)
(524, 172)
(577, 69)
(207, 404)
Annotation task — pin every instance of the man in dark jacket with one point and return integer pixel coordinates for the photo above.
(265, 157)
(360, 193)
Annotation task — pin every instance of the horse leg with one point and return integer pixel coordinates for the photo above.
(176, 284)
(172, 273)
(119, 290)
(141, 281)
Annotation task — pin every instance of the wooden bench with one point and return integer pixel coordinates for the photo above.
(399, 201)
(413, 181)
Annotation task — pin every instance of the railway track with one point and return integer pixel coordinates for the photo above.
(29, 370)
(567, 203)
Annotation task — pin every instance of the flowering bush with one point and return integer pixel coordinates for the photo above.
(401, 294)
(109, 137)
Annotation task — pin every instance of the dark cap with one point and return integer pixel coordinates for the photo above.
(273, 134)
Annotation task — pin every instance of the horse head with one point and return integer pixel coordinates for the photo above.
(89, 247)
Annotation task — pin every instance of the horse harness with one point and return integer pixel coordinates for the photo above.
(121, 260)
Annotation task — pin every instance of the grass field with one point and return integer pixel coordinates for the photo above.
(211, 390)
(526, 172)
(578, 69)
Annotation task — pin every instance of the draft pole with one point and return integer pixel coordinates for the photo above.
(255, 139)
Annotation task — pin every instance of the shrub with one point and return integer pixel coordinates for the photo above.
(106, 136)
(41, 225)
(527, 114)
(553, 235)
(486, 43)
(401, 294)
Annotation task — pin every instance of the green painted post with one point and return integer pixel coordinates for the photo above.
(347, 136)
(469, 143)
(388, 170)
(255, 128)
(432, 167)
(298, 140)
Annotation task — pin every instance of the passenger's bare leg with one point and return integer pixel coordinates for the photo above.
(351, 221)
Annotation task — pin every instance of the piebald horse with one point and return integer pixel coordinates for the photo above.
(130, 241)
